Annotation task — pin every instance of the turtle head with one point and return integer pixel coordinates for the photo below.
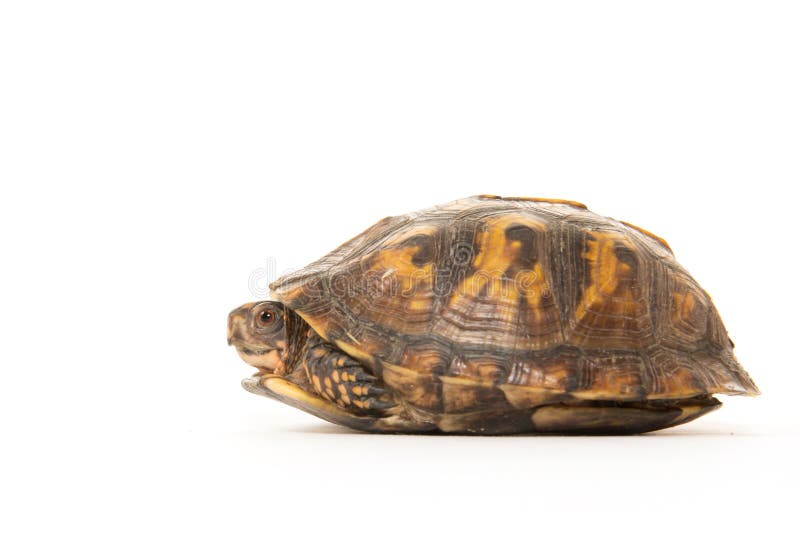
(259, 333)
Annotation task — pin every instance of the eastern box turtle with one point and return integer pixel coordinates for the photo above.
(493, 315)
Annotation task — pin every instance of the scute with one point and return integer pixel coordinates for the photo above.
(517, 300)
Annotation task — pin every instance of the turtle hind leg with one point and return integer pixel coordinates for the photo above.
(598, 417)
(344, 381)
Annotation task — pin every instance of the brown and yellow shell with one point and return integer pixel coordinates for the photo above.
(526, 300)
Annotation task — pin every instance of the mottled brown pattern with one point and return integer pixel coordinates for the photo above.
(505, 303)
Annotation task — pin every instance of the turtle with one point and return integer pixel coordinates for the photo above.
(493, 315)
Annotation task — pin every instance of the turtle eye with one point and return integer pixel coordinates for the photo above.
(266, 318)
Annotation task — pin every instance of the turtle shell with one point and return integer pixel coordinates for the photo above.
(528, 300)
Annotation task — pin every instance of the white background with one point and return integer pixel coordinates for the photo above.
(153, 154)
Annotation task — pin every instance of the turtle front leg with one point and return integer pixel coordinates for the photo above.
(342, 380)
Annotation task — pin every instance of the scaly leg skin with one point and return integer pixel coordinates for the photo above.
(344, 381)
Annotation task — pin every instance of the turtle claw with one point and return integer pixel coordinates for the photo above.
(375, 391)
(375, 404)
(374, 400)
(347, 362)
(359, 375)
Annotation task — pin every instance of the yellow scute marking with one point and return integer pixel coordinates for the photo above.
(396, 274)
(613, 311)
(496, 255)
(683, 306)
(605, 275)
